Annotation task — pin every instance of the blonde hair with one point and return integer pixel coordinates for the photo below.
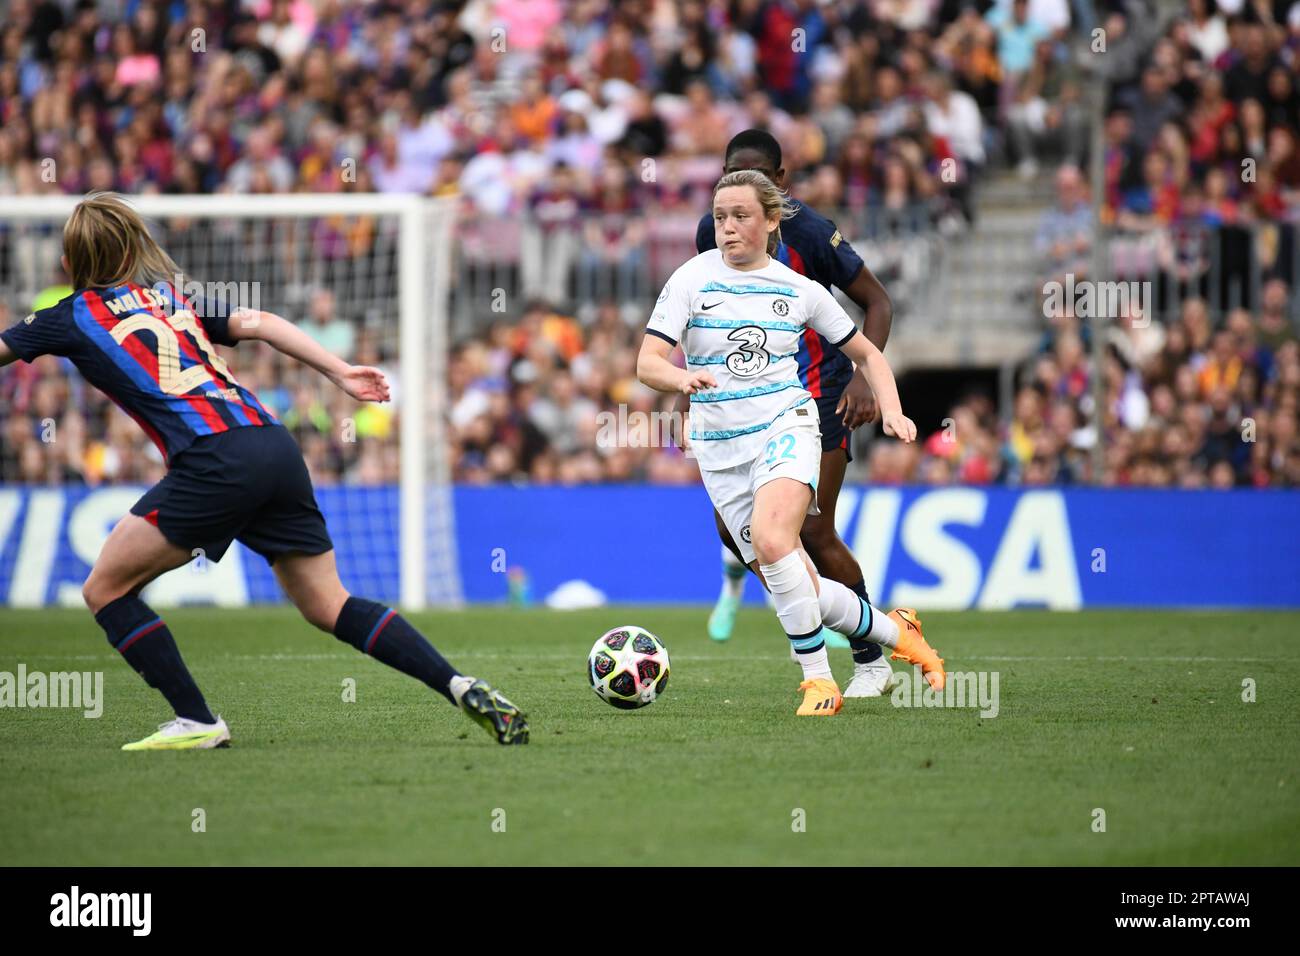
(771, 198)
(107, 244)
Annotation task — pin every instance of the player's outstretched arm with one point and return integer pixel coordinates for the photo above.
(654, 369)
(857, 405)
(870, 296)
(362, 382)
(881, 378)
(6, 355)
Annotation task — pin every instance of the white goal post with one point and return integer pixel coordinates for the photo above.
(288, 244)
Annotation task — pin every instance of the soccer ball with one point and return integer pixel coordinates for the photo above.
(628, 667)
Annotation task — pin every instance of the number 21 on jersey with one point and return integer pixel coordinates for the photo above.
(171, 379)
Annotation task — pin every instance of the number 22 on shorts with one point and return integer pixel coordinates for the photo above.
(785, 443)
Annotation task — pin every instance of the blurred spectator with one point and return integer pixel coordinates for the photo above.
(1018, 34)
(328, 328)
(1047, 114)
(1064, 238)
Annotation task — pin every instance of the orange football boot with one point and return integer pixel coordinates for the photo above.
(912, 647)
(821, 698)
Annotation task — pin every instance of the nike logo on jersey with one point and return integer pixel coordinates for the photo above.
(711, 305)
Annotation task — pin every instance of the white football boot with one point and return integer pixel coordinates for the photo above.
(871, 680)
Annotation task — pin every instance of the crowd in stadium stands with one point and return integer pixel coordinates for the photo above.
(1186, 405)
(552, 110)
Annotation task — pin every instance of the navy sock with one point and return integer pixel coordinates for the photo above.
(864, 651)
(142, 638)
(387, 637)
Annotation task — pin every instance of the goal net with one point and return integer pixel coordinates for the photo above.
(368, 277)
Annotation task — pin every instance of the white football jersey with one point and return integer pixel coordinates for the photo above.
(745, 328)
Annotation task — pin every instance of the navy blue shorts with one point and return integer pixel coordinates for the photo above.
(248, 484)
(834, 433)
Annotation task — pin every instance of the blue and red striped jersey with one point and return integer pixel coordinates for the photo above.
(149, 352)
(812, 246)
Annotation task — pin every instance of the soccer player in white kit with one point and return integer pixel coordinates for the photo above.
(738, 315)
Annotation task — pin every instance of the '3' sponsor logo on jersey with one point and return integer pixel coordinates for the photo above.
(752, 356)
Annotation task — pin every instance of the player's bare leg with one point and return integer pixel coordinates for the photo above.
(872, 674)
(779, 509)
(829, 554)
(135, 553)
(822, 544)
(849, 613)
(312, 583)
(831, 557)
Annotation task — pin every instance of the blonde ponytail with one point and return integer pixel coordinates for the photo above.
(107, 244)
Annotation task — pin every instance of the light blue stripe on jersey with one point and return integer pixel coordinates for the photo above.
(701, 322)
(723, 434)
(722, 359)
(749, 289)
(711, 396)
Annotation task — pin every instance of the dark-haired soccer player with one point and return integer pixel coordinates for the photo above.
(812, 246)
(234, 472)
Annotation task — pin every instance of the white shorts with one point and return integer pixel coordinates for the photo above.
(792, 448)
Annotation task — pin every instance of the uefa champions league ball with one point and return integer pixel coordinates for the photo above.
(628, 667)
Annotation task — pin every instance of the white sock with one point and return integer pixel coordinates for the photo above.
(844, 611)
(816, 664)
(458, 687)
(733, 575)
(883, 629)
(796, 605)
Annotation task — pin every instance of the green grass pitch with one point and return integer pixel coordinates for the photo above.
(1139, 715)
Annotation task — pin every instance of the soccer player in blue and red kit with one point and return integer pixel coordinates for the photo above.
(812, 246)
(234, 472)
